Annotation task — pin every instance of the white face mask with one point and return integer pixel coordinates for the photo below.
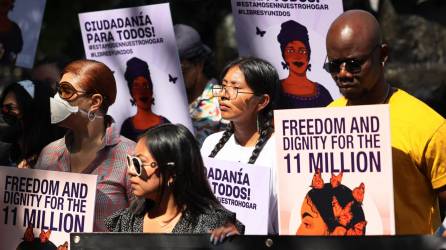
(61, 109)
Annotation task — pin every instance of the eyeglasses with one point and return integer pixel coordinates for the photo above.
(66, 90)
(217, 91)
(300, 51)
(353, 65)
(135, 164)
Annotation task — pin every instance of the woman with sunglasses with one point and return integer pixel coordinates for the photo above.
(246, 99)
(297, 90)
(26, 112)
(93, 144)
(168, 178)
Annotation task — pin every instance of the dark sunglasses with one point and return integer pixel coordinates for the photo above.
(353, 65)
(66, 90)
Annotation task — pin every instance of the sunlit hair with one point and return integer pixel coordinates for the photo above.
(174, 143)
(262, 78)
(94, 77)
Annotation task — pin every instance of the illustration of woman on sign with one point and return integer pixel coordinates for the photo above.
(39, 243)
(332, 209)
(140, 86)
(11, 41)
(297, 90)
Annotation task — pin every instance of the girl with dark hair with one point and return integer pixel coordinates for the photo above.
(93, 144)
(173, 194)
(26, 111)
(297, 90)
(246, 99)
(140, 86)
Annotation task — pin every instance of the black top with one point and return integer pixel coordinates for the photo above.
(321, 99)
(129, 131)
(125, 221)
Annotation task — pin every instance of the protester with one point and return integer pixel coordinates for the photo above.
(198, 73)
(356, 59)
(140, 86)
(246, 99)
(26, 111)
(174, 196)
(297, 90)
(93, 144)
(48, 70)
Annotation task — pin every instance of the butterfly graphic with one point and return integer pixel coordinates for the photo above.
(342, 214)
(260, 32)
(317, 182)
(172, 79)
(284, 65)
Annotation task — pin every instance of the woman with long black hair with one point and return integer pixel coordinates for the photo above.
(168, 178)
(247, 99)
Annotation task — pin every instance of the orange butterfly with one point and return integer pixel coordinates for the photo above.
(358, 229)
(342, 215)
(44, 236)
(63, 247)
(339, 231)
(317, 182)
(335, 180)
(358, 193)
(29, 234)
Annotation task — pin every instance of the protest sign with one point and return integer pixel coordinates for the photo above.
(335, 171)
(139, 45)
(41, 208)
(291, 36)
(18, 43)
(242, 189)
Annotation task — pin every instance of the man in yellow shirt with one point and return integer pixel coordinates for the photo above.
(356, 57)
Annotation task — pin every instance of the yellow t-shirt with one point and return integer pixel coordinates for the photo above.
(419, 162)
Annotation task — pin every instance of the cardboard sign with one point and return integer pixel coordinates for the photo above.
(41, 208)
(335, 171)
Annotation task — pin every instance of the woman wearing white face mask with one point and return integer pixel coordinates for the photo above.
(92, 145)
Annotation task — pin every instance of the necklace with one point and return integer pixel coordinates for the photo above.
(164, 224)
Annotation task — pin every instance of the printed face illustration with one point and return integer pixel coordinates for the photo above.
(312, 222)
(142, 92)
(296, 56)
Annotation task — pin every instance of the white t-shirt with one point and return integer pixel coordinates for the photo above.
(232, 151)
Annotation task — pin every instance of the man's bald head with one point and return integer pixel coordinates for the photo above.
(355, 28)
(357, 56)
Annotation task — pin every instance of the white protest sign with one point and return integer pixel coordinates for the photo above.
(48, 205)
(141, 42)
(243, 189)
(290, 34)
(335, 164)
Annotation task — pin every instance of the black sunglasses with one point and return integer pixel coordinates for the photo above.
(353, 65)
